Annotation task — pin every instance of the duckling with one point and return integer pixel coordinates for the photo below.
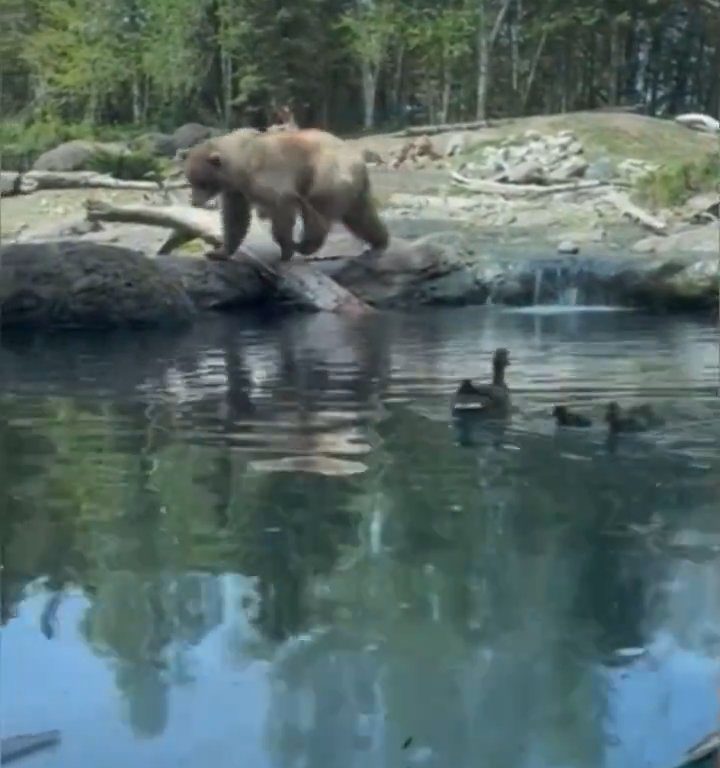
(628, 423)
(566, 418)
(490, 399)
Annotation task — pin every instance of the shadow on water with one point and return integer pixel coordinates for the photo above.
(270, 544)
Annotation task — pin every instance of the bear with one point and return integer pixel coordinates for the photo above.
(309, 172)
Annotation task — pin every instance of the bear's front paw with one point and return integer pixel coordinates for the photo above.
(217, 254)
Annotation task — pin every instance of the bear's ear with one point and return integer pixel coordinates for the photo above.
(214, 159)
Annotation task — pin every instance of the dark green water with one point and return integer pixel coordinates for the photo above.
(177, 592)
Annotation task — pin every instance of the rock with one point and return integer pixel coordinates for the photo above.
(71, 284)
(75, 155)
(572, 168)
(704, 239)
(702, 205)
(528, 172)
(562, 141)
(663, 284)
(568, 246)
(591, 235)
(457, 143)
(161, 144)
(603, 169)
(190, 134)
(9, 183)
(575, 148)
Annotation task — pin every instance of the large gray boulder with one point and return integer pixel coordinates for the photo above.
(76, 155)
(190, 134)
(72, 284)
(161, 144)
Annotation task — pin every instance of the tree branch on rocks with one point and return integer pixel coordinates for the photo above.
(431, 130)
(623, 203)
(488, 187)
(189, 221)
(13, 183)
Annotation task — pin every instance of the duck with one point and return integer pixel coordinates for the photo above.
(637, 419)
(486, 399)
(566, 418)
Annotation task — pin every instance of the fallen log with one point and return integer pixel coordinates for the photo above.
(308, 287)
(432, 130)
(35, 181)
(303, 284)
(487, 187)
(699, 122)
(15, 747)
(188, 221)
(623, 203)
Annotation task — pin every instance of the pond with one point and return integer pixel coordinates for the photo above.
(264, 542)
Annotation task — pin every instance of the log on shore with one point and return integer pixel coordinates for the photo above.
(13, 183)
(189, 222)
(433, 130)
(488, 187)
(623, 203)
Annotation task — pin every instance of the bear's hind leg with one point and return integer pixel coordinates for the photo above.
(364, 221)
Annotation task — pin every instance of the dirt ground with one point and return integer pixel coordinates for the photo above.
(618, 135)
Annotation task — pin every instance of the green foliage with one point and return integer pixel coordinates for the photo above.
(369, 29)
(41, 135)
(126, 165)
(164, 62)
(23, 141)
(674, 183)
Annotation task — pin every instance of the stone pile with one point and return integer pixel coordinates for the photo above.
(553, 159)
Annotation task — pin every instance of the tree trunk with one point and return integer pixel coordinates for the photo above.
(533, 69)
(226, 74)
(515, 47)
(397, 79)
(136, 99)
(369, 86)
(483, 59)
(485, 44)
(615, 62)
(446, 91)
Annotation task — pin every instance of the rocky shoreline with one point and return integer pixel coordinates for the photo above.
(75, 284)
(527, 221)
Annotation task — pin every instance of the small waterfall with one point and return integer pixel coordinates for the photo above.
(556, 285)
(569, 296)
(376, 530)
(538, 285)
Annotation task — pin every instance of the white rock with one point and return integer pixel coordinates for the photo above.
(568, 246)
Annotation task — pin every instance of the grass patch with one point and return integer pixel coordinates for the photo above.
(676, 182)
(126, 165)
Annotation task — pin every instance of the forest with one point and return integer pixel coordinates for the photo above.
(350, 65)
